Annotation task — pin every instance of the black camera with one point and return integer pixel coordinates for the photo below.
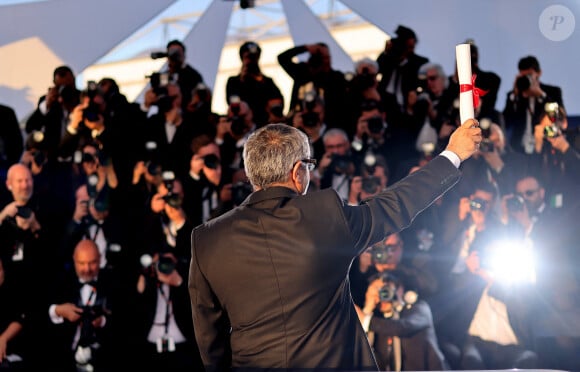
(341, 164)
(23, 211)
(171, 198)
(371, 184)
(381, 254)
(310, 119)
(159, 82)
(364, 80)
(524, 83)
(486, 145)
(277, 110)
(478, 204)
(98, 199)
(240, 191)
(211, 161)
(515, 203)
(153, 166)
(172, 55)
(238, 126)
(92, 111)
(388, 292)
(376, 124)
(165, 265)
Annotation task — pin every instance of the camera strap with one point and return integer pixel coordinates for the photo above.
(168, 306)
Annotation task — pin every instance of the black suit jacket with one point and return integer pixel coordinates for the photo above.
(269, 280)
(515, 113)
(61, 336)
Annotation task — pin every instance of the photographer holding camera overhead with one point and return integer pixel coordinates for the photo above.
(317, 74)
(162, 311)
(524, 107)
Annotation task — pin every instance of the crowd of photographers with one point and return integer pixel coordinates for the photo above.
(134, 178)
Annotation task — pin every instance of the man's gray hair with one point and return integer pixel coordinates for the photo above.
(271, 152)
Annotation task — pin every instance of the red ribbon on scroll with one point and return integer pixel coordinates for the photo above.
(477, 92)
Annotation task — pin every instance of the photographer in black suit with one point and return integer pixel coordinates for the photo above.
(81, 315)
(524, 105)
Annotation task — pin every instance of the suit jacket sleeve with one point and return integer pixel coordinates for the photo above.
(210, 320)
(395, 208)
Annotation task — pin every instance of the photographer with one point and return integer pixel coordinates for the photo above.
(317, 74)
(336, 166)
(251, 85)
(232, 132)
(524, 106)
(375, 137)
(494, 162)
(554, 158)
(163, 324)
(473, 293)
(95, 218)
(54, 108)
(178, 72)
(550, 228)
(399, 325)
(170, 130)
(204, 181)
(21, 235)
(82, 315)
(310, 118)
(362, 87)
(399, 66)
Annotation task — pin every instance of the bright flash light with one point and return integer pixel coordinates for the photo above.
(512, 261)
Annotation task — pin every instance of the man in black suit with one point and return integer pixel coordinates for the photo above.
(53, 110)
(399, 66)
(81, 314)
(524, 107)
(268, 280)
(317, 74)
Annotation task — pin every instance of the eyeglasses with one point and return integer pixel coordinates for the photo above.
(432, 77)
(528, 193)
(309, 163)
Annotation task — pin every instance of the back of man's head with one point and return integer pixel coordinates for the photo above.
(271, 152)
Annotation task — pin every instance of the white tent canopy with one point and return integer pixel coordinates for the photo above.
(36, 37)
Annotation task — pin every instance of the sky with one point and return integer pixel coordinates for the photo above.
(156, 33)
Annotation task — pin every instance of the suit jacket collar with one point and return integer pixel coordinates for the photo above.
(276, 192)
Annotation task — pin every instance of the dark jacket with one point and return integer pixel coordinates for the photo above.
(269, 279)
(419, 348)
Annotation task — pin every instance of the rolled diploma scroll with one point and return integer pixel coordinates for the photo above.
(463, 57)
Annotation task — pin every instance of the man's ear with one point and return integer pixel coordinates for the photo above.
(297, 176)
